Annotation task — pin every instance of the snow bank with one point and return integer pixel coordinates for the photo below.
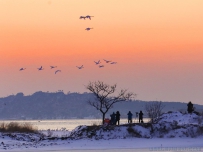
(170, 125)
(180, 118)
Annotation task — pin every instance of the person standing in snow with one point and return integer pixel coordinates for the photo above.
(140, 117)
(190, 108)
(118, 117)
(130, 115)
(113, 118)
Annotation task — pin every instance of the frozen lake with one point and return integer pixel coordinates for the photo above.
(95, 150)
(69, 124)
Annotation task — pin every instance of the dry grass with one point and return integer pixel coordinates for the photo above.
(99, 123)
(17, 127)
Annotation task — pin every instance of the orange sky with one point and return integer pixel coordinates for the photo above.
(158, 46)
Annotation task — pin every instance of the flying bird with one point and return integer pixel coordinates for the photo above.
(21, 69)
(97, 62)
(80, 67)
(41, 68)
(88, 16)
(107, 61)
(101, 66)
(57, 71)
(82, 17)
(53, 67)
(113, 62)
(88, 28)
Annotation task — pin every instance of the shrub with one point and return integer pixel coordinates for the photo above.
(200, 118)
(191, 132)
(96, 123)
(49, 133)
(17, 127)
(160, 135)
(133, 132)
(2, 127)
(154, 111)
(200, 130)
(174, 125)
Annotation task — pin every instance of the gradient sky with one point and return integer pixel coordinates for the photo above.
(157, 44)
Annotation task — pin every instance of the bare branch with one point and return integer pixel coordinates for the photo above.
(104, 101)
(154, 110)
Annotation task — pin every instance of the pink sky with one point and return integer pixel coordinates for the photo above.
(158, 46)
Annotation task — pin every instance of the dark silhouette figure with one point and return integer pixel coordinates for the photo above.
(190, 107)
(130, 115)
(113, 118)
(117, 117)
(140, 117)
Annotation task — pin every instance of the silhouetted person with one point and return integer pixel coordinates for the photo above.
(117, 117)
(190, 108)
(130, 115)
(140, 117)
(113, 118)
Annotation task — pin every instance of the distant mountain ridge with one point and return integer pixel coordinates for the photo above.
(46, 105)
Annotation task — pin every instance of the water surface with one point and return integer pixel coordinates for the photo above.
(68, 124)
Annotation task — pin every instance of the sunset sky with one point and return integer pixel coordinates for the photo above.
(157, 44)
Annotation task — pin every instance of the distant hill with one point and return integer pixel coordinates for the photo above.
(45, 105)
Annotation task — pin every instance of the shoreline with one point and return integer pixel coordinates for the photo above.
(127, 145)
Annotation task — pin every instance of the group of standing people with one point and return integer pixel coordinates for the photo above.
(130, 116)
(115, 118)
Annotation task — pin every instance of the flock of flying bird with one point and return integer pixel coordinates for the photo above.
(41, 68)
(84, 17)
(79, 67)
(98, 63)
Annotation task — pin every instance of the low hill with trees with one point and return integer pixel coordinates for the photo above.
(58, 105)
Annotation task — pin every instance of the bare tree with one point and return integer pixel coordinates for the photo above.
(154, 110)
(105, 97)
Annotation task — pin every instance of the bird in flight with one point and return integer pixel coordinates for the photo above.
(88, 16)
(88, 28)
(97, 62)
(113, 62)
(82, 17)
(41, 68)
(53, 67)
(57, 71)
(101, 66)
(80, 67)
(21, 69)
(107, 61)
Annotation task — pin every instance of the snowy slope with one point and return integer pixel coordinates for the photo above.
(181, 118)
(170, 125)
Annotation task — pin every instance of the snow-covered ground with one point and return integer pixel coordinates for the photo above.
(155, 144)
(174, 132)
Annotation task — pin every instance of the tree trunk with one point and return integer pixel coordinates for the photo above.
(103, 117)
